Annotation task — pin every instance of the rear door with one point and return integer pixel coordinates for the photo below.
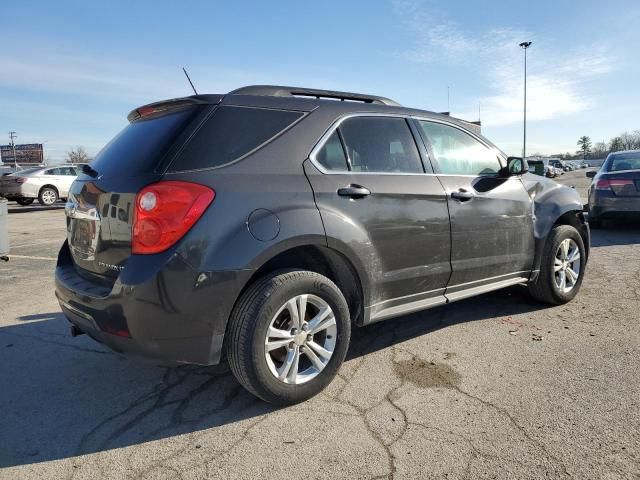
(65, 179)
(377, 203)
(492, 237)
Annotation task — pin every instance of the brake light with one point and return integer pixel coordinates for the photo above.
(146, 111)
(165, 211)
(607, 183)
(20, 180)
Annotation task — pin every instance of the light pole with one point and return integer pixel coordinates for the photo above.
(13, 136)
(524, 46)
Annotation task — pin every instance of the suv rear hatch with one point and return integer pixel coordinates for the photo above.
(122, 204)
(101, 203)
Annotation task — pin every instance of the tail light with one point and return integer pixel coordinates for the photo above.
(20, 180)
(165, 211)
(607, 183)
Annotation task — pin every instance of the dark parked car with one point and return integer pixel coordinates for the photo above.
(264, 224)
(615, 190)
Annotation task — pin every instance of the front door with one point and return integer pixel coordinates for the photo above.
(378, 205)
(492, 238)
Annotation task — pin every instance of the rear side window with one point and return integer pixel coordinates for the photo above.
(380, 144)
(141, 145)
(629, 161)
(230, 133)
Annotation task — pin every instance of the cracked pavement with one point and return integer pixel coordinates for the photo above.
(496, 386)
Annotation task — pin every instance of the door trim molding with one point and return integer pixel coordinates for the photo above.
(433, 298)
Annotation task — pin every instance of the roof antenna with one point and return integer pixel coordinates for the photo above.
(190, 82)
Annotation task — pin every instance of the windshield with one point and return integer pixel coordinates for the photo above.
(139, 148)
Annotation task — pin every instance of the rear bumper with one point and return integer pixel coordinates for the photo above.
(13, 192)
(608, 206)
(159, 308)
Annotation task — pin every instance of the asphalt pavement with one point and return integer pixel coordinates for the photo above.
(496, 386)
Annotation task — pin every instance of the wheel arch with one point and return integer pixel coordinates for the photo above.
(49, 185)
(570, 215)
(323, 260)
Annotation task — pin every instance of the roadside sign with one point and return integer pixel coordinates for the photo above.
(25, 153)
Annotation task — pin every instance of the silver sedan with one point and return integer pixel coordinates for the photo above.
(47, 184)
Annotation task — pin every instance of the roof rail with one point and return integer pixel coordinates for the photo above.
(281, 91)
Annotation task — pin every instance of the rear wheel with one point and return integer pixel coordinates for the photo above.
(24, 201)
(48, 196)
(288, 335)
(562, 268)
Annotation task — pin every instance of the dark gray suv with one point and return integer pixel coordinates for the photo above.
(264, 224)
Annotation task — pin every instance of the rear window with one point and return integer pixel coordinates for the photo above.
(141, 145)
(630, 161)
(230, 133)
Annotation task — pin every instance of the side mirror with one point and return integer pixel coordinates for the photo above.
(591, 173)
(516, 166)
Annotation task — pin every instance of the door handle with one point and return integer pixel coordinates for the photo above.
(354, 191)
(462, 195)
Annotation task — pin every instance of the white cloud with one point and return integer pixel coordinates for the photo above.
(555, 81)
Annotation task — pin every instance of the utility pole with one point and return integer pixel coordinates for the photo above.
(524, 46)
(448, 104)
(13, 136)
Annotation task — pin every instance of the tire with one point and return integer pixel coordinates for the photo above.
(264, 305)
(546, 289)
(48, 196)
(25, 201)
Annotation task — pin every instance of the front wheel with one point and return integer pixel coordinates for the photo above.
(562, 267)
(288, 335)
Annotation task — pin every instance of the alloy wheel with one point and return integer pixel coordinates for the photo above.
(49, 197)
(567, 265)
(301, 339)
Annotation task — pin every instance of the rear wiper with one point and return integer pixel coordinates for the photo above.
(88, 170)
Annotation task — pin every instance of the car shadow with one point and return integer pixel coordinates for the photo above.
(62, 397)
(616, 233)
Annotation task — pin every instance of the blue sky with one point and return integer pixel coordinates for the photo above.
(71, 71)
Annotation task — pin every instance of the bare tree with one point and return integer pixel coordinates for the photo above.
(600, 150)
(615, 145)
(78, 155)
(584, 143)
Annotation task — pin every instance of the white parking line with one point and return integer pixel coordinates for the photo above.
(32, 258)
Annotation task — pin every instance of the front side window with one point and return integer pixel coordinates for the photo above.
(380, 144)
(457, 152)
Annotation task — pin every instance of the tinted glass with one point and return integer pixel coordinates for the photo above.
(142, 144)
(230, 133)
(627, 161)
(457, 152)
(53, 171)
(331, 156)
(379, 144)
